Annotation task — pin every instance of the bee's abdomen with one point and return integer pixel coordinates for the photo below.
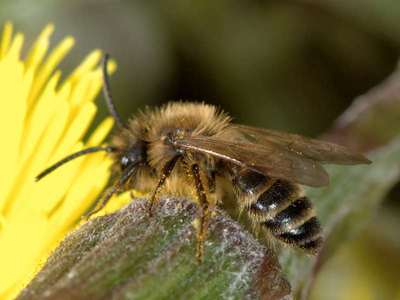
(280, 207)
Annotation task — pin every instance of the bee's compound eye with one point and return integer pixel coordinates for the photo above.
(124, 161)
(133, 156)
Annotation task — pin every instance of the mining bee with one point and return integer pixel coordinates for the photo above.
(187, 149)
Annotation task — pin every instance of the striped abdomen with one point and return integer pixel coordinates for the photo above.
(281, 208)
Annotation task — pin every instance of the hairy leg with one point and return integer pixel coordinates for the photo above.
(205, 212)
(166, 171)
(117, 187)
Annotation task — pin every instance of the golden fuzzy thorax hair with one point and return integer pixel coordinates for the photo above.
(152, 126)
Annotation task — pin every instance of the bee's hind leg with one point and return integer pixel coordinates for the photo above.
(205, 212)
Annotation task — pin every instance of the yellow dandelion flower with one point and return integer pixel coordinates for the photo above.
(41, 121)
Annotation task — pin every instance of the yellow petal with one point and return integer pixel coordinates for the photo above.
(42, 121)
(48, 66)
(39, 49)
(6, 39)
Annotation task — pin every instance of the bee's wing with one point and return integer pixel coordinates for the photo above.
(317, 150)
(269, 159)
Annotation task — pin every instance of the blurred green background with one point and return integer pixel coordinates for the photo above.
(290, 65)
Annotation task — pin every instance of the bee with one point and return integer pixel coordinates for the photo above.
(188, 149)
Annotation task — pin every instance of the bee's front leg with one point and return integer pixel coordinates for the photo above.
(165, 172)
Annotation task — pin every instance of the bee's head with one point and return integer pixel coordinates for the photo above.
(133, 155)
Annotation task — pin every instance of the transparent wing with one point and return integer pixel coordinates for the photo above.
(269, 159)
(317, 150)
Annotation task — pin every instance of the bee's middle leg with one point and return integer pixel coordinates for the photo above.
(205, 212)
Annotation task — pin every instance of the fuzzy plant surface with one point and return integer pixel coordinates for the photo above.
(127, 255)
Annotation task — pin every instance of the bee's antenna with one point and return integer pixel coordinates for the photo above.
(107, 93)
(71, 157)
